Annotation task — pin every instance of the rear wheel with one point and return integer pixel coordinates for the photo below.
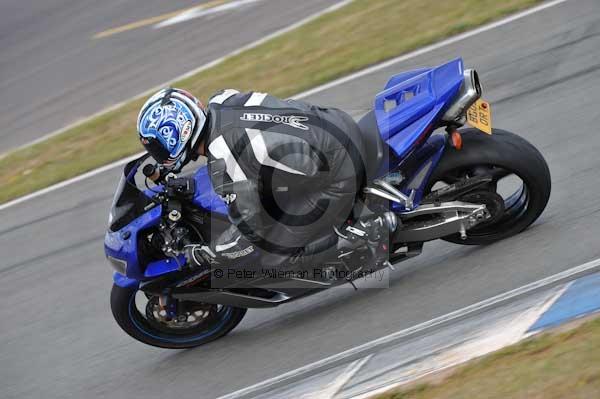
(518, 193)
(191, 324)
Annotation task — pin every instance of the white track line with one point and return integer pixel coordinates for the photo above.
(332, 389)
(318, 89)
(199, 12)
(186, 75)
(372, 346)
(430, 48)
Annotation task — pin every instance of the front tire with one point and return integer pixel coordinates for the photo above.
(502, 154)
(137, 325)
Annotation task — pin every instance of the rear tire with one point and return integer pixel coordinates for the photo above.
(132, 321)
(507, 151)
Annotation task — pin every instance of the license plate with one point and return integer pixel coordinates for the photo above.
(480, 116)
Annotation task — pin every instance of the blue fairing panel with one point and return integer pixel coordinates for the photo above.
(164, 266)
(205, 196)
(404, 76)
(122, 244)
(124, 282)
(413, 101)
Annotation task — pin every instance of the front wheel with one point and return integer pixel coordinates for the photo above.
(194, 323)
(520, 186)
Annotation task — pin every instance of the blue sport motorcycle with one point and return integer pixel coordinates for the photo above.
(469, 186)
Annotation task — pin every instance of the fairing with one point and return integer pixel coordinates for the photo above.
(412, 102)
(132, 212)
(129, 201)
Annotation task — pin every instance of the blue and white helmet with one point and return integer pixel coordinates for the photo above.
(170, 124)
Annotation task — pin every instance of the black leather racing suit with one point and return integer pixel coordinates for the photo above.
(289, 171)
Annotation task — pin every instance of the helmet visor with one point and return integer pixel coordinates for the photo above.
(156, 150)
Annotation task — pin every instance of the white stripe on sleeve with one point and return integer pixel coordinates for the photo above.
(220, 99)
(255, 99)
(219, 149)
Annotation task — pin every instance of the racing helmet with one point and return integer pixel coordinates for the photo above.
(170, 124)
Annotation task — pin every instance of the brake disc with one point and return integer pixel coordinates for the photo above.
(189, 314)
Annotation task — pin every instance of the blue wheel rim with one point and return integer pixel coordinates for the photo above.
(206, 334)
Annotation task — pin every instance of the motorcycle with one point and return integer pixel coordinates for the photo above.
(435, 183)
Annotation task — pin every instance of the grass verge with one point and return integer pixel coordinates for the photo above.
(362, 33)
(550, 366)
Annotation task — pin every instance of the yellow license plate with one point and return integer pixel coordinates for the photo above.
(480, 116)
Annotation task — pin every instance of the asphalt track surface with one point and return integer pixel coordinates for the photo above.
(53, 72)
(57, 336)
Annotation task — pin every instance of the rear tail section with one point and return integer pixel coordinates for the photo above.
(412, 102)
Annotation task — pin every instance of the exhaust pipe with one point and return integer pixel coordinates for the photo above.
(470, 91)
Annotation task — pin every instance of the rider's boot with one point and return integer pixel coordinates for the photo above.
(371, 232)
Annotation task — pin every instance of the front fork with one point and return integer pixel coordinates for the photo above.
(168, 305)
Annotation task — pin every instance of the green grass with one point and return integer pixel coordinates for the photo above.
(551, 366)
(362, 33)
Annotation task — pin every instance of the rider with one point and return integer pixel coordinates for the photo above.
(289, 171)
